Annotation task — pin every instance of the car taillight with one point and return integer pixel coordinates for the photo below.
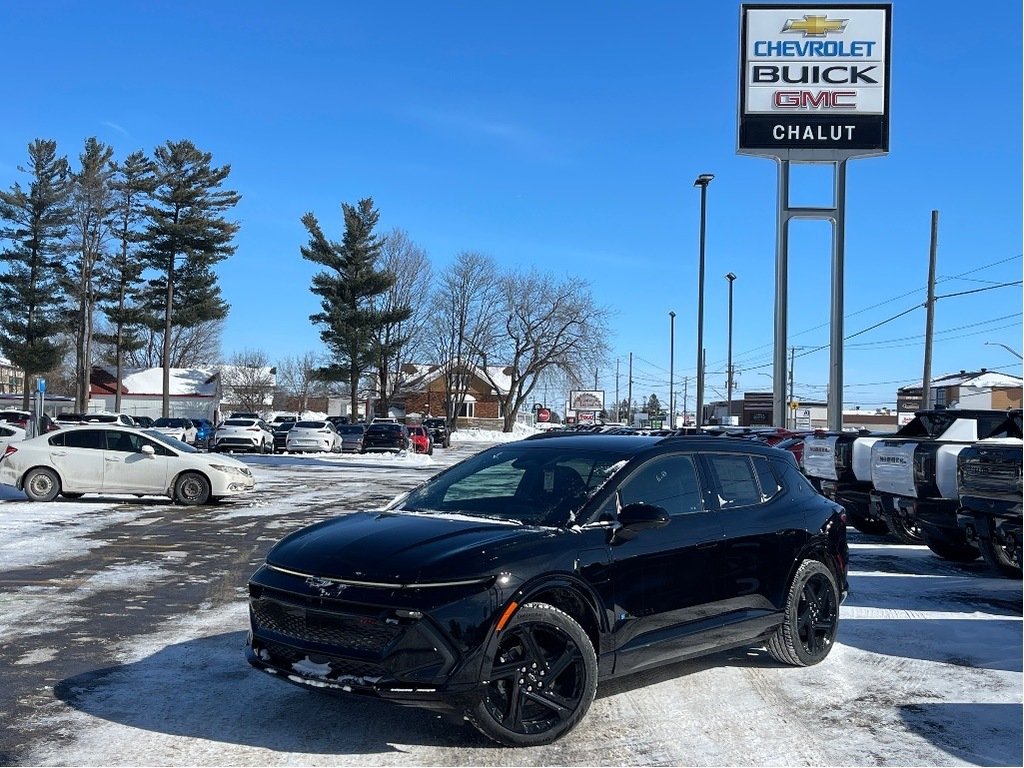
(8, 451)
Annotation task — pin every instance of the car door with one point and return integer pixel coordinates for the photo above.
(77, 455)
(666, 581)
(764, 532)
(127, 469)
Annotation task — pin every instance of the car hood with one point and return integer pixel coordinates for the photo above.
(402, 547)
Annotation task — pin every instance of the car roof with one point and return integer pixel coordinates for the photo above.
(639, 443)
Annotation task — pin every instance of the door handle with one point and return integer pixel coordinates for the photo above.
(112, 461)
(58, 453)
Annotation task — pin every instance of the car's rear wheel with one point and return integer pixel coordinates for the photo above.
(1002, 556)
(192, 489)
(811, 617)
(540, 680)
(905, 529)
(952, 546)
(42, 484)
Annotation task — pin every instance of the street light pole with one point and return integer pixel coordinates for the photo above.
(671, 368)
(1008, 349)
(728, 384)
(702, 181)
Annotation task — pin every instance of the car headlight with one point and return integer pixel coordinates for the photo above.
(227, 469)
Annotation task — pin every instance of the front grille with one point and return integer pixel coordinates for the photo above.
(283, 655)
(345, 632)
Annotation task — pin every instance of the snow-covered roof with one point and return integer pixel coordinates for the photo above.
(150, 381)
(418, 376)
(988, 379)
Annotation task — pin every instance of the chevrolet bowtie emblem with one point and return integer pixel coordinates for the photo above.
(815, 26)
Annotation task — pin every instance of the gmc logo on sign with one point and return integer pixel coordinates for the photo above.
(814, 100)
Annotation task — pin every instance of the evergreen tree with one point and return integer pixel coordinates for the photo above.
(131, 184)
(653, 407)
(186, 225)
(91, 204)
(350, 322)
(35, 222)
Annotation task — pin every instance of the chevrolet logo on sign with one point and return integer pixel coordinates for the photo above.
(815, 26)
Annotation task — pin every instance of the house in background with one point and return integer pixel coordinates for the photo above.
(982, 389)
(194, 392)
(12, 379)
(422, 388)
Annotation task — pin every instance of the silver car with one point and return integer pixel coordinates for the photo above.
(351, 437)
(315, 436)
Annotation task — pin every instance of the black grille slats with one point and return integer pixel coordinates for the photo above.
(353, 632)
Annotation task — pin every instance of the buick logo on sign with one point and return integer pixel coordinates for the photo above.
(814, 78)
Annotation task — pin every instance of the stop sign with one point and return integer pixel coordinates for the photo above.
(543, 414)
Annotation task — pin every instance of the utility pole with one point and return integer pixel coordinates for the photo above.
(792, 366)
(686, 405)
(618, 415)
(629, 396)
(929, 323)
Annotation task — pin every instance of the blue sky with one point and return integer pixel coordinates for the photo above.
(563, 136)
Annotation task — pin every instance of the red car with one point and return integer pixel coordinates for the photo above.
(421, 441)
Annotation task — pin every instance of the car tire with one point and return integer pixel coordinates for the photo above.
(870, 525)
(42, 484)
(1002, 558)
(191, 489)
(540, 647)
(811, 614)
(952, 547)
(904, 530)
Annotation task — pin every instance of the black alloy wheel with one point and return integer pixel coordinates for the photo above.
(905, 529)
(540, 681)
(952, 546)
(811, 617)
(1002, 556)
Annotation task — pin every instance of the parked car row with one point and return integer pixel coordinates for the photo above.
(950, 479)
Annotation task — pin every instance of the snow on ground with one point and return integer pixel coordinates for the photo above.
(927, 669)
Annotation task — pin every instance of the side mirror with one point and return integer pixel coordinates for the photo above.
(634, 518)
(148, 450)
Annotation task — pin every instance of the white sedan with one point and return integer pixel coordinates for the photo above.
(111, 459)
(243, 435)
(178, 428)
(313, 436)
(10, 433)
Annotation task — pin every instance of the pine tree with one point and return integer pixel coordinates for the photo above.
(186, 225)
(349, 320)
(91, 206)
(131, 184)
(31, 296)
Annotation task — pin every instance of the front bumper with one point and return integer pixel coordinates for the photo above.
(369, 641)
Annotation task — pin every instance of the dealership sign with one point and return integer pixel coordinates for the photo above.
(814, 77)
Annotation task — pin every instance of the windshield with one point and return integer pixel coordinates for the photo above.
(535, 485)
(173, 442)
(166, 422)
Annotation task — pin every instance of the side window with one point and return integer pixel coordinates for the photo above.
(58, 439)
(735, 485)
(770, 485)
(669, 482)
(125, 442)
(158, 449)
(85, 438)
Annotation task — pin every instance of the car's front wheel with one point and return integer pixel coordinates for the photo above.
(192, 489)
(539, 681)
(811, 617)
(42, 484)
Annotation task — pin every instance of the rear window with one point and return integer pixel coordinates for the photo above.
(350, 430)
(240, 422)
(383, 429)
(311, 424)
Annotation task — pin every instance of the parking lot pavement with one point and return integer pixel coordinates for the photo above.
(122, 631)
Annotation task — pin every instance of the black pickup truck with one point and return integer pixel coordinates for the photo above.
(838, 464)
(914, 473)
(990, 487)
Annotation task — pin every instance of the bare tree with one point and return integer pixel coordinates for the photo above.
(248, 380)
(543, 326)
(191, 346)
(463, 321)
(394, 341)
(299, 377)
